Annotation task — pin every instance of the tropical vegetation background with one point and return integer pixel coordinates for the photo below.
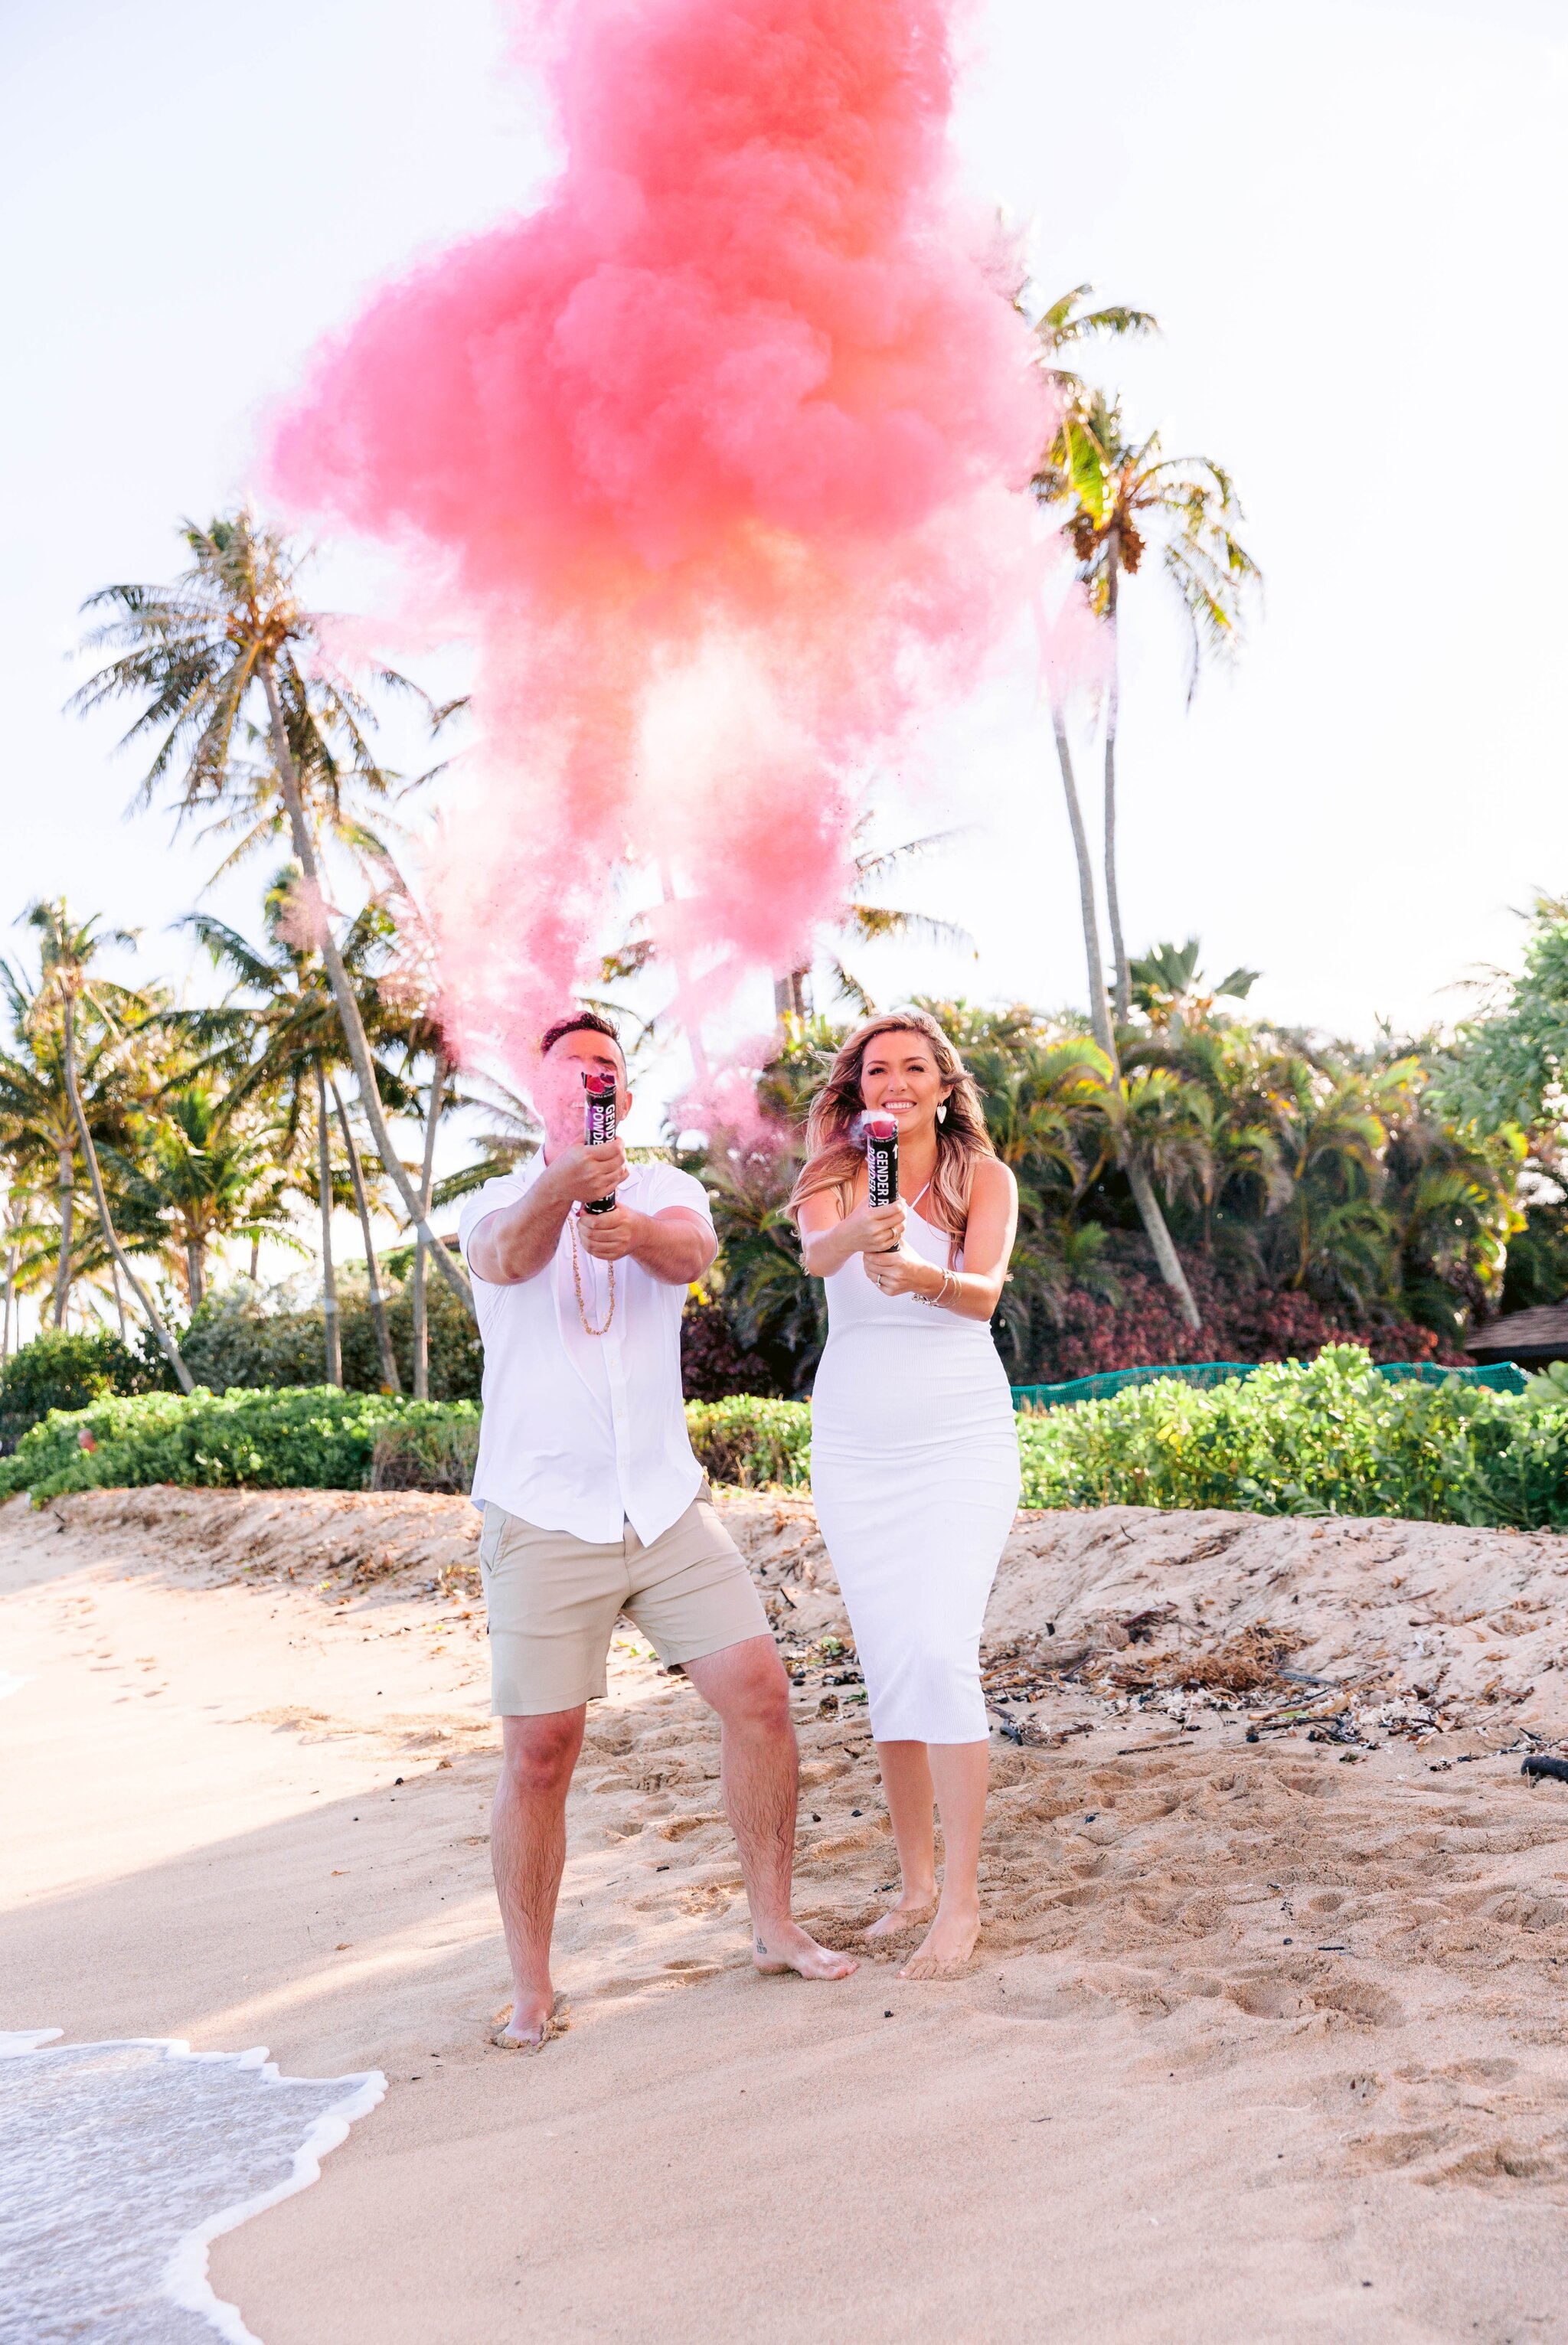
(1197, 1183)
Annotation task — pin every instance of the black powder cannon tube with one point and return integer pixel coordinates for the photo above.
(599, 1126)
(881, 1134)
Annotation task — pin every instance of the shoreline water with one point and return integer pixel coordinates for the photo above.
(111, 2157)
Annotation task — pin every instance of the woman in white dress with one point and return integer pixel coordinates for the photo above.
(914, 1450)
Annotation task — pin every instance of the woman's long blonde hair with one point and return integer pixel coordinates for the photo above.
(833, 1156)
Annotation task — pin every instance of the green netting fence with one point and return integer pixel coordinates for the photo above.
(1505, 1378)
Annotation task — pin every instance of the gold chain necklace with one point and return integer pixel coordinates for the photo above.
(588, 1327)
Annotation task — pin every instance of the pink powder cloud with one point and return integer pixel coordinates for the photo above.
(743, 395)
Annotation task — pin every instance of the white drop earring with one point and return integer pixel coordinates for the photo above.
(941, 1112)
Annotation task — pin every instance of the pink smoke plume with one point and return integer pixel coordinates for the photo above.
(718, 452)
(1074, 646)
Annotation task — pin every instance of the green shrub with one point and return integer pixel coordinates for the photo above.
(1333, 1438)
(311, 1438)
(61, 1369)
(751, 1442)
(320, 1438)
(234, 1339)
(429, 1450)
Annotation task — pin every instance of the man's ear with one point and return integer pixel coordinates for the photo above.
(626, 1106)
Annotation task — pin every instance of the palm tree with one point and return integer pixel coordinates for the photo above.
(279, 1037)
(196, 655)
(866, 922)
(35, 1108)
(406, 994)
(24, 1235)
(206, 1173)
(1451, 1198)
(435, 1102)
(390, 1378)
(67, 951)
(1169, 986)
(1065, 325)
(1234, 1160)
(1114, 494)
(284, 1043)
(38, 1125)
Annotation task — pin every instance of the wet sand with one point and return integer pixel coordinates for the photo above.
(1267, 2040)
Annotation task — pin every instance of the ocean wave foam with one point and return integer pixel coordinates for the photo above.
(119, 2162)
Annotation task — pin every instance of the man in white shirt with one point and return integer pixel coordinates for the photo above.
(593, 1504)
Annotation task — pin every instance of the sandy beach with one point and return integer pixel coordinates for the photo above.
(1266, 2039)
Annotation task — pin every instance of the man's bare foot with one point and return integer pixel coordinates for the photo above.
(534, 2021)
(946, 1948)
(896, 1918)
(789, 1948)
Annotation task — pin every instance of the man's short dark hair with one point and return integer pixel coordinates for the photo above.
(586, 1022)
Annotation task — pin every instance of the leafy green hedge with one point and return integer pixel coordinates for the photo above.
(311, 1437)
(1333, 1438)
(754, 1442)
(430, 1450)
(317, 1437)
(1330, 1437)
(65, 1369)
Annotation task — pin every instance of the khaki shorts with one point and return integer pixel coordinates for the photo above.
(553, 1600)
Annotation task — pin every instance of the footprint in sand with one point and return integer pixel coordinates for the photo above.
(682, 1827)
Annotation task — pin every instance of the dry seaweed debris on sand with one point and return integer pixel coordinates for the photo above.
(827, 1667)
(1130, 1665)
(1246, 1672)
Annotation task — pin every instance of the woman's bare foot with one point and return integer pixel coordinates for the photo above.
(946, 1948)
(534, 2020)
(896, 1918)
(787, 1947)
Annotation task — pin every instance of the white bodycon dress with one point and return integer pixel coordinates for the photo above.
(914, 1472)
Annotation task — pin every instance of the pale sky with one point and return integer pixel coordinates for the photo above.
(1349, 217)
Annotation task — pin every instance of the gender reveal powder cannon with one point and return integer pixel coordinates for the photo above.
(881, 1134)
(599, 1125)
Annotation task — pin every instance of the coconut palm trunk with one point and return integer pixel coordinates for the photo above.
(1142, 1187)
(338, 978)
(68, 1187)
(390, 1381)
(789, 988)
(193, 1271)
(11, 1261)
(1099, 1018)
(149, 1310)
(329, 1277)
(1124, 999)
(426, 1182)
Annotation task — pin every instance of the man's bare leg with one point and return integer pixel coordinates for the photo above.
(911, 1797)
(745, 1684)
(528, 1853)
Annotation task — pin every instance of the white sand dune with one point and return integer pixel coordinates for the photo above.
(1266, 2041)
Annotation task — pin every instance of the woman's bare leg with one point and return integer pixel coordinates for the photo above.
(911, 1798)
(959, 1772)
